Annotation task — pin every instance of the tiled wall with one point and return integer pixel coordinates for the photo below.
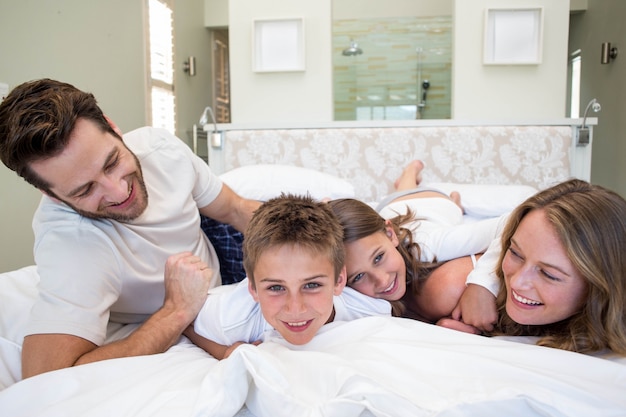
(387, 73)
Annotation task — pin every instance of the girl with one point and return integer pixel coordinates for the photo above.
(392, 259)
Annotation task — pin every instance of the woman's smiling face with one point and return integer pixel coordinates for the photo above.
(542, 284)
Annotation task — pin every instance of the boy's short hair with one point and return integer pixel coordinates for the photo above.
(293, 220)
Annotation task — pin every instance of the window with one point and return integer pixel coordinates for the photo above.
(161, 55)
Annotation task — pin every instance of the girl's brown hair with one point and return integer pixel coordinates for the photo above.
(359, 220)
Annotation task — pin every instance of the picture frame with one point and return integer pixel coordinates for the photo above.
(513, 36)
(278, 45)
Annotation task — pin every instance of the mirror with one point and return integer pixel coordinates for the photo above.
(387, 67)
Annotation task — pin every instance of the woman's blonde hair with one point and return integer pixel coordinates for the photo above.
(590, 222)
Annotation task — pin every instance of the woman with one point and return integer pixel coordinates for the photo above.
(567, 283)
(562, 272)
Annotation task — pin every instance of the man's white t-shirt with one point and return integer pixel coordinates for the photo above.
(93, 271)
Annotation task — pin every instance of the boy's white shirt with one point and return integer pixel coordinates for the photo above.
(231, 315)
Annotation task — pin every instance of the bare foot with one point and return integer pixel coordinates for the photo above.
(411, 177)
(456, 198)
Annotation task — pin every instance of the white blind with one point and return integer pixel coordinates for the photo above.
(163, 106)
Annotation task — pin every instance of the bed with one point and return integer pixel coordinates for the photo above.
(377, 366)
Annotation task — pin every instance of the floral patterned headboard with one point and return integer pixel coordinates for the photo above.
(372, 158)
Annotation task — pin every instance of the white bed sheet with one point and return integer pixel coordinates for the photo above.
(375, 366)
(369, 367)
(400, 367)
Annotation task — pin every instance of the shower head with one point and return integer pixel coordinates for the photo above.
(352, 50)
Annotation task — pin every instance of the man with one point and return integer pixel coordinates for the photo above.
(120, 217)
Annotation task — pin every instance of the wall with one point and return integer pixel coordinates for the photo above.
(479, 92)
(216, 13)
(603, 22)
(515, 91)
(281, 96)
(366, 9)
(191, 36)
(98, 47)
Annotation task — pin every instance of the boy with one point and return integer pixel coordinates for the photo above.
(294, 259)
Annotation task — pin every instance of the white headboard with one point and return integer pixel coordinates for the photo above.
(371, 157)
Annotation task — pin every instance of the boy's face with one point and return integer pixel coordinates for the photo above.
(295, 290)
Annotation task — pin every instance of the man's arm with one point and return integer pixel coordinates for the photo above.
(187, 281)
(231, 208)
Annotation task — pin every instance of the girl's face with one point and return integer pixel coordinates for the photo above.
(542, 284)
(375, 267)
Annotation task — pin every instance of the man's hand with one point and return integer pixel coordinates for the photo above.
(187, 281)
(476, 308)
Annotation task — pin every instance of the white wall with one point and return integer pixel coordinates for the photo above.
(366, 9)
(514, 91)
(281, 96)
(479, 91)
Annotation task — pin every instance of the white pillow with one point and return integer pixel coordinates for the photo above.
(264, 181)
(18, 292)
(482, 200)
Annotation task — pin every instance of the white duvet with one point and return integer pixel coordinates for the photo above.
(376, 366)
(399, 367)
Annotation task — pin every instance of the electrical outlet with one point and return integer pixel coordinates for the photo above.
(4, 91)
(583, 136)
